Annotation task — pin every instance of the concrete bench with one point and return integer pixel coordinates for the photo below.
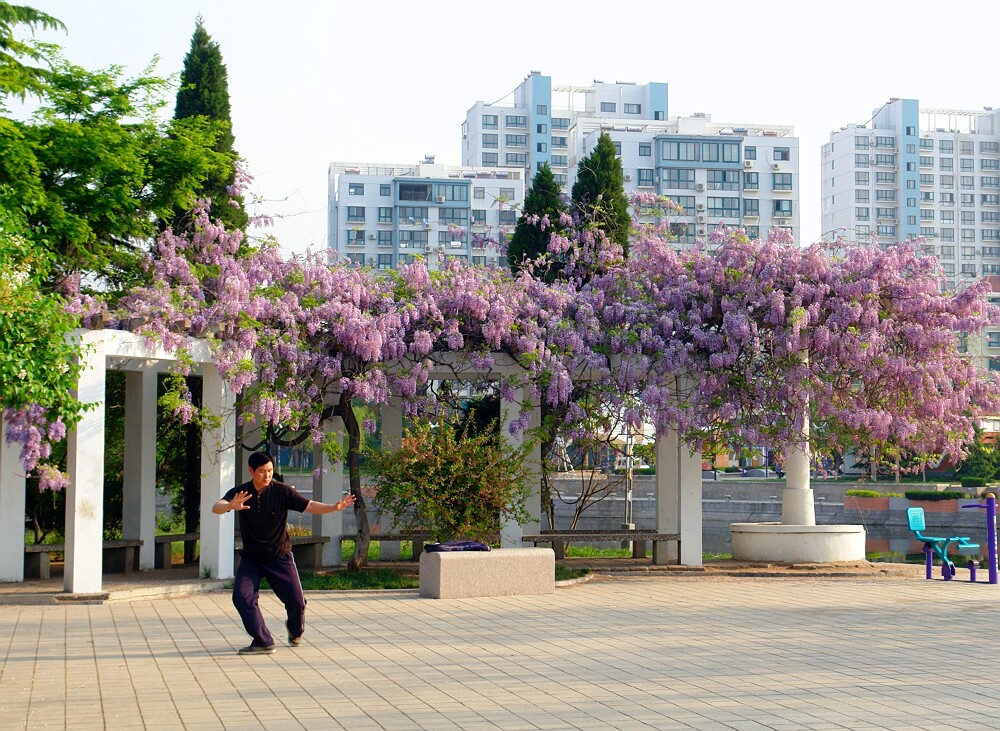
(391, 552)
(501, 572)
(307, 550)
(559, 539)
(121, 557)
(163, 553)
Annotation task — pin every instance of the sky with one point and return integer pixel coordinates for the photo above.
(315, 81)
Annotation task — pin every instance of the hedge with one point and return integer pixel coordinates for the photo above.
(934, 495)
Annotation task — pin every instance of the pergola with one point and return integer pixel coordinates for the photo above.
(678, 481)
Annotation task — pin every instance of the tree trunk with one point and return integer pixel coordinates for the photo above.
(192, 472)
(360, 558)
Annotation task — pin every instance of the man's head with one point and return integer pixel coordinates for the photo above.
(261, 466)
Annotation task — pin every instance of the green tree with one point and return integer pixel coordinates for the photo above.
(530, 240)
(599, 194)
(204, 92)
(452, 483)
(16, 76)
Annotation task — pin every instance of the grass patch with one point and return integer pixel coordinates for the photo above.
(564, 574)
(574, 551)
(347, 580)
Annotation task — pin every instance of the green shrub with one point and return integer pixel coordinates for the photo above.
(974, 482)
(863, 493)
(934, 495)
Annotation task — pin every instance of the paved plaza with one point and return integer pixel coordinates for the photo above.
(638, 652)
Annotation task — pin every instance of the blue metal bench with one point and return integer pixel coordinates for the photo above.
(937, 544)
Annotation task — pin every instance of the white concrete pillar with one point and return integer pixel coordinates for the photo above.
(218, 475)
(139, 484)
(328, 487)
(678, 499)
(85, 494)
(11, 508)
(392, 431)
(797, 504)
(511, 531)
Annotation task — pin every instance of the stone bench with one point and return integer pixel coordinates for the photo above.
(307, 550)
(391, 552)
(501, 572)
(559, 539)
(121, 557)
(163, 553)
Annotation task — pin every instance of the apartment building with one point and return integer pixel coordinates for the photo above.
(744, 175)
(384, 215)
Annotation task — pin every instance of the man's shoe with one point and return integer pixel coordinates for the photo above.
(256, 650)
(294, 641)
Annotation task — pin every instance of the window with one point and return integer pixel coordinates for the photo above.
(966, 147)
(686, 202)
(862, 213)
(751, 181)
(385, 190)
(385, 261)
(618, 148)
(861, 178)
(860, 143)
(947, 181)
(515, 120)
(560, 160)
(967, 165)
(990, 181)
(452, 191)
(927, 196)
(490, 159)
(517, 140)
(911, 131)
(508, 217)
(947, 235)
(609, 107)
(357, 260)
(414, 191)
(862, 196)
(542, 110)
(453, 216)
(926, 214)
(356, 238)
(645, 149)
(751, 207)
(355, 213)
(750, 153)
(384, 214)
(991, 234)
(885, 142)
(926, 178)
(947, 217)
(966, 182)
(990, 199)
(542, 129)
(782, 208)
(968, 235)
(680, 150)
(947, 164)
(489, 121)
(782, 153)
(911, 166)
(412, 239)
(861, 161)
(989, 148)
(479, 193)
(723, 179)
(723, 207)
(541, 147)
(885, 159)
(911, 202)
(989, 164)
(560, 123)
(479, 261)
(506, 194)
(678, 178)
(645, 177)
(633, 109)
(884, 177)
(710, 151)
(478, 216)
(886, 230)
(491, 140)
(682, 233)
(752, 231)
(782, 181)
(385, 238)
(888, 212)
(413, 214)
(946, 146)
(355, 189)
(968, 200)
(885, 195)
(989, 217)
(559, 142)
(968, 218)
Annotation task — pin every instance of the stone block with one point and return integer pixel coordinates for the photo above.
(501, 572)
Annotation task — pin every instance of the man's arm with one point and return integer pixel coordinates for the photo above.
(222, 507)
(318, 508)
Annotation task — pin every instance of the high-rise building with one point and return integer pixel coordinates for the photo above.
(738, 174)
(383, 215)
(911, 172)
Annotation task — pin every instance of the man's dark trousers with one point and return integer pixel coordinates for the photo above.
(283, 577)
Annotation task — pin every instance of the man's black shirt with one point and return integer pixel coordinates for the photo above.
(264, 524)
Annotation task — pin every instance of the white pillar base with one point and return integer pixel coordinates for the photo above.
(797, 543)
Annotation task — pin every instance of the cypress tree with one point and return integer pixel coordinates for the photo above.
(529, 241)
(599, 192)
(204, 92)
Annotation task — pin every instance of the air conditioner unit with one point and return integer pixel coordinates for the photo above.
(628, 178)
(427, 227)
(428, 248)
(371, 237)
(701, 206)
(699, 186)
(781, 221)
(775, 166)
(440, 199)
(455, 244)
(701, 232)
(701, 219)
(748, 164)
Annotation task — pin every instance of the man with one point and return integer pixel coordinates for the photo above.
(263, 505)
